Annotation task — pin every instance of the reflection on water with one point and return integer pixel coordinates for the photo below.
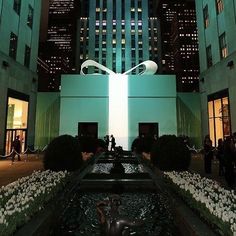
(80, 216)
(129, 168)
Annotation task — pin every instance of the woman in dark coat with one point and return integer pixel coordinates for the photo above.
(208, 154)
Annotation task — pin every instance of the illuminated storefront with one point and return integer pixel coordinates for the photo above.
(17, 120)
(219, 116)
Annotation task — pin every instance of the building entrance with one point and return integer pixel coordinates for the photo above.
(17, 119)
(88, 129)
(148, 129)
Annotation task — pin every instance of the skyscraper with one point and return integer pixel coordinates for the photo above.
(117, 34)
(179, 42)
(58, 50)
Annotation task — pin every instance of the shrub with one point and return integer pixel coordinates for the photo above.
(88, 144)
(63, 153)
(142, 144)
(170, 153)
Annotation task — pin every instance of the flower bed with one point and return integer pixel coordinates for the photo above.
(214, 203)
(26, 196)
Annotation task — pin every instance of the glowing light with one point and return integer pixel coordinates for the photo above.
(118, 109)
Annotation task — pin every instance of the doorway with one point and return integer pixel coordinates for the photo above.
(88, 129)
(17, 120)
(148, 129)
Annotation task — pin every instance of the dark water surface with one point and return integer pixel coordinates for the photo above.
(80, 216)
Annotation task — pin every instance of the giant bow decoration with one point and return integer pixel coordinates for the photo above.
(150, 67)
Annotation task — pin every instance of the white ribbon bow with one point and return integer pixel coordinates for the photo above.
(150, 67)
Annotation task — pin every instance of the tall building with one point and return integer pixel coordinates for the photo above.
(19, 33)
(57, 49)
(217, 53)
(118, 34)
(179, 43)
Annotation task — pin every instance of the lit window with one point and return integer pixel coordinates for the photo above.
(219, 119)
(223, 46)
(206, 16)
(219, 6)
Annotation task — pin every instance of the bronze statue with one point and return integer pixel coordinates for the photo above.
(113, 224)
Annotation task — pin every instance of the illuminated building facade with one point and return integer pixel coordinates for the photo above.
(19, 33)
(118, 34)
(217, 49)
(179, 41)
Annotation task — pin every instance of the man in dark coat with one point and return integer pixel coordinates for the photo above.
(16, 147)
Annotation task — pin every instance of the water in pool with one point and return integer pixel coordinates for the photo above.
(80, 216)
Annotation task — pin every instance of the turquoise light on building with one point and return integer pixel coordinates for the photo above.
(19, 34)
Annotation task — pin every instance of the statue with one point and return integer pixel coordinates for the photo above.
(112, 223)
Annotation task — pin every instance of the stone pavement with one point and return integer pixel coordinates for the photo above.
(197, 165)
(10, 173)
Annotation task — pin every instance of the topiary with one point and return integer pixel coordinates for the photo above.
(63, 153)
(142, 144)
(170, 153)
(88, 144)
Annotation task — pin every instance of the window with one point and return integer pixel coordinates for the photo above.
(30, 16)
(206, 16)
(27, 56)
(13, 45)
(209, 56)
(223, 46)
(16, 6)
(219, 118)
(219, 6)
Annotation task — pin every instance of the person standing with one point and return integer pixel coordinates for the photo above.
(16, 147)
(208, 154)
(106, 139)
(113, 143)
(220, 156)
(229, 160)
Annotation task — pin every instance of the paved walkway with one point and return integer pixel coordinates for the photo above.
(10, 173)
(197, 165)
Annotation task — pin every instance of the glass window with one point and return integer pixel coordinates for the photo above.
(27, 56)
(17, 113)
(206, 16)
(209, 56)
(17, 6)
(13, 45)
(219, 6)
(219, 119)
(30, 16)
(223, 46)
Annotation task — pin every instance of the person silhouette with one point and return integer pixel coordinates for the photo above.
(113, 143)
(16, 148)
(113, 224)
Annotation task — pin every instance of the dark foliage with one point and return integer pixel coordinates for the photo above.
(88, 144)
(170, 153)
(63, 153)
(142, 144)
(101, 146)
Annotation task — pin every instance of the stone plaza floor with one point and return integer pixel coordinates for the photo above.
(10, 173)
